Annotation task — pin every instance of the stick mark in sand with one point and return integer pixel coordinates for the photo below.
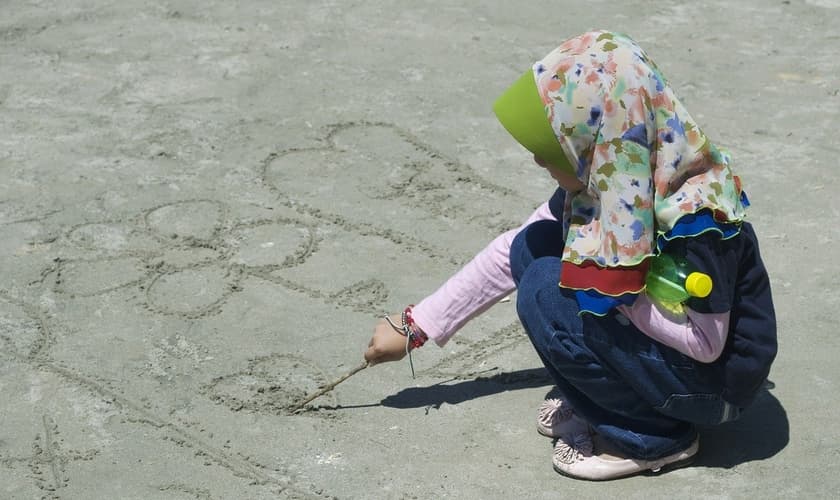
(327, 388)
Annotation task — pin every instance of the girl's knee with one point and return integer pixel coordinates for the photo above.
(542, 274)
(542, 238)
(543, 307)
(520, 257)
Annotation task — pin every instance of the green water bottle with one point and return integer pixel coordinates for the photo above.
(671, 280)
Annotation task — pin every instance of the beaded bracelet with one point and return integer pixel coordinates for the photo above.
(418, 337)
(414, 336)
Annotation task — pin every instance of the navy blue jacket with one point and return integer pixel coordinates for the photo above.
(742, 287)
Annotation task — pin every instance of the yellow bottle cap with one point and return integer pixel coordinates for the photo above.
(522, 112)
(698, 285)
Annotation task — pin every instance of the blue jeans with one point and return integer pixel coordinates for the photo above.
(640, 395)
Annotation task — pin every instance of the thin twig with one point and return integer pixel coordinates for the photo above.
(327, 388)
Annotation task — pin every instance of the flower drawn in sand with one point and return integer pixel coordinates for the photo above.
(272, 384)
(412, 181)
(186, 257)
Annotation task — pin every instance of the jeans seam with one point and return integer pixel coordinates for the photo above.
(727, 411)
(684, 365)
(640, 443)
(643, 452)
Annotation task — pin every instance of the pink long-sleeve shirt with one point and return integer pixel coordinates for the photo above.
(486, 279)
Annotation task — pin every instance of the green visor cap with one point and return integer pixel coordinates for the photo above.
(522, 113)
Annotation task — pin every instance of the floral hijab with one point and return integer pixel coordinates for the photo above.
(651, 173)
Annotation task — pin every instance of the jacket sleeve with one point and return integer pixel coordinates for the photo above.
(476, 287)
(752, 344)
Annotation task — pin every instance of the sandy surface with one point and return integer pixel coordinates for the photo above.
(204, 205)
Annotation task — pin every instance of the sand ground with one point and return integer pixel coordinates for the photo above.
(204, 205)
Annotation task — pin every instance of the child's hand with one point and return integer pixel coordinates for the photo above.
(386, 344)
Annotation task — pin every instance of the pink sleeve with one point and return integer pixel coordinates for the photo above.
(698, 336)
(482, 282)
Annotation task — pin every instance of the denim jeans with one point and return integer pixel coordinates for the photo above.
(642, 396)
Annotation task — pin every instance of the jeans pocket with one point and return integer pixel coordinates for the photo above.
(701, 409)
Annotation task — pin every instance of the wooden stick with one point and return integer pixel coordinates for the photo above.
(327, 388)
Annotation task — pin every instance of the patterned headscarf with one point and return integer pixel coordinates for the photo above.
(651, 173)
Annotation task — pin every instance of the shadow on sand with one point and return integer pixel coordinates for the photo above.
(761, 432)
(438, 394)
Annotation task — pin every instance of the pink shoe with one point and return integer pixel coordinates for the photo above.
(587, 456)
(555, 418)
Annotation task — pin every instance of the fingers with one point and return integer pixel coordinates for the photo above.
(380, 352)
(385, 344)
(376, 354)
(370, 357)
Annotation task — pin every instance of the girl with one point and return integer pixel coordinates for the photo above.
(637, 177)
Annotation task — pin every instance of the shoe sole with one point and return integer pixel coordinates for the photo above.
(677, 464)
(670, 466)
(647, 472)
